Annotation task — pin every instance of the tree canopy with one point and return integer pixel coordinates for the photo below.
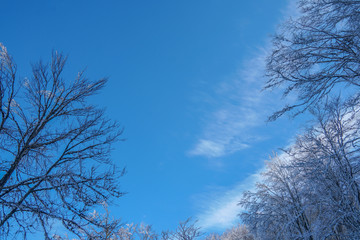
(311, 190)
(316, 53)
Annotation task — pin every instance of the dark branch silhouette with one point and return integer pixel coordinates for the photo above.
(54, 149)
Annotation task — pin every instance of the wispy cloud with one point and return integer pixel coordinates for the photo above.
(241, 106)
(232, 127)
(222, 206)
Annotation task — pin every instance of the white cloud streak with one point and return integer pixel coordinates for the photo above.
(222, 206)
(242, 107)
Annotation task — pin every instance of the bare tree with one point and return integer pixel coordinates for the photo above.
(186, 230)
(54, 150)
(316, 53)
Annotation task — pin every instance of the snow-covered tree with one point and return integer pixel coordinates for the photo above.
(238, 232)
(311, 191)
(276, 209)
(316, 52)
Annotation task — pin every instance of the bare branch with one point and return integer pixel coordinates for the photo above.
(54, 150)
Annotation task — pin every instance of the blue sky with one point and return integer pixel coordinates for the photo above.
(184, 81)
